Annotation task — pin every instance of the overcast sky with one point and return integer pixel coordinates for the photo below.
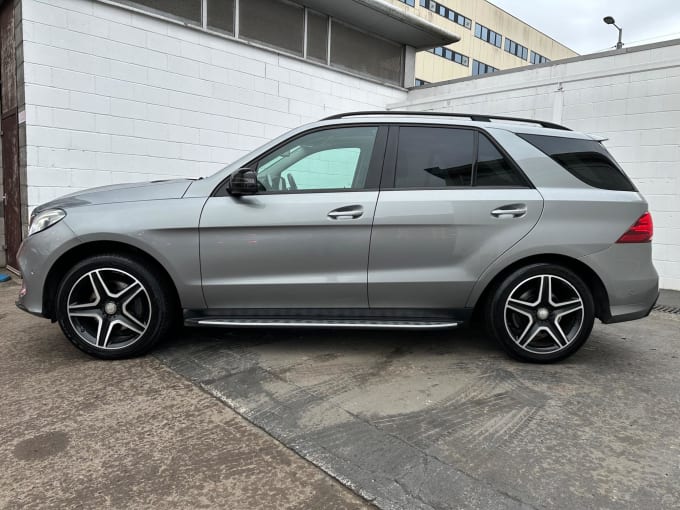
(578, 23)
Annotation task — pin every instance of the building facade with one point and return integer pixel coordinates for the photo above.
(490, 40)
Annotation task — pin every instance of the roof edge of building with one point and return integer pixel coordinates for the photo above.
(386, 20)
(578, 58)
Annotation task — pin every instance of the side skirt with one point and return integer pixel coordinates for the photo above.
(329, 318)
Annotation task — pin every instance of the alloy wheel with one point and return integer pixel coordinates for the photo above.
(544, 314)
(109, 308)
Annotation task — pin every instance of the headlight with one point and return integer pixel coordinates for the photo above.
(45, 219)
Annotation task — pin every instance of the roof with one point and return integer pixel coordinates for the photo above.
(381, 18)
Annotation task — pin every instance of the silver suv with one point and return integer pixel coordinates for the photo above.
(369, 219)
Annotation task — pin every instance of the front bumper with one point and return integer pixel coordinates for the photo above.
(37, 254)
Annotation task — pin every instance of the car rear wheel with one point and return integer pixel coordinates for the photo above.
(541, 313)
(114, 306)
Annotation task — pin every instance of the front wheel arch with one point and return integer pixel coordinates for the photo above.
(71, 257)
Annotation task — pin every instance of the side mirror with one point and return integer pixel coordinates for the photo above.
(242, 182)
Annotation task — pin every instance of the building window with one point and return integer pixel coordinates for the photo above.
(451, 55)
(538, 59)
(365, 53)
(317, 36)
(488, 35)
(261, 21)
(420, 83)
(516, 49)
(184, 9)
(411, 3)
(447, 13)
(221, 15)
(482, 68)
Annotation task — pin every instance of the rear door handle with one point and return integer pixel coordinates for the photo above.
(510, 211)
(348, 212)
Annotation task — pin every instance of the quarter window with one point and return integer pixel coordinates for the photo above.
(432, 157)
(493, 169)
(323, 160)
(587, 160)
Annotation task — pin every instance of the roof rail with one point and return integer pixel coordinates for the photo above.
(472, 116)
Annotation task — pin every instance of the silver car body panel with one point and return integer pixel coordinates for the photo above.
(409, 249)
(284, 251)
(429, 247)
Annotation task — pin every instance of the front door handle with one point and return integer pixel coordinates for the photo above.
(510, 211)
(349, 212)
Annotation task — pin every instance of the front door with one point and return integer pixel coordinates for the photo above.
(10, 138)
(451, 205)
(302, 241)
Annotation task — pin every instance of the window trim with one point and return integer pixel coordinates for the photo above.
(387, 182)
(373, 175)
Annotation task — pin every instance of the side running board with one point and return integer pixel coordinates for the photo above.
(316, 323)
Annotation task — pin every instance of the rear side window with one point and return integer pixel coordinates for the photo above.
(493, 169)
(433, 157)
(587, 160)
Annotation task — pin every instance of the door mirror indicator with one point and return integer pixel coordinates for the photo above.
(242, 182)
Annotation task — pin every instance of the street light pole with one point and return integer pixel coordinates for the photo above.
(610, 21)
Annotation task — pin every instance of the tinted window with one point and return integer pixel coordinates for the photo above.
(221, 15)
(434, 157)
(264, 21)
(187, 9)
(317, 36)
(329, 159)
(586, 160)
(358, 51)
(493, 169)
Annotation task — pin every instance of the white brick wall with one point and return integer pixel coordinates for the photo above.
(115, 96)
(631, 98)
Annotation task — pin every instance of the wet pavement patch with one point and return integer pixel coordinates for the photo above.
(445, 420)
(41, 446)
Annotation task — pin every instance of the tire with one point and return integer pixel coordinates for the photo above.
(541, 313)
(115, 306)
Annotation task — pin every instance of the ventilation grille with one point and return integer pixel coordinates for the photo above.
(667, 309)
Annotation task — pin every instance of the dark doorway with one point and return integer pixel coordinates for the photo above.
(10, 134)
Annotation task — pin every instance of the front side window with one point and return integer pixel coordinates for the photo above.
(432, 157)
(323, 160)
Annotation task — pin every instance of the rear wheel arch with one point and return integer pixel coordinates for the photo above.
(71, 257)
(587, 274)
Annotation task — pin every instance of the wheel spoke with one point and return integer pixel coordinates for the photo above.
(566, 310)
(528, 334)
(100, 285)
(104, 332)
(128, 324)
(555, 331)
(128, 293)
(521, 307)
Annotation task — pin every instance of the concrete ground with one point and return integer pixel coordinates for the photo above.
(80, 433)
(425, 420)
(446, 420)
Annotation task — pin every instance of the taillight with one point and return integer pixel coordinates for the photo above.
(640, 232)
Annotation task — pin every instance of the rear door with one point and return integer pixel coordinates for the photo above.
(450, 203)
(302, 241)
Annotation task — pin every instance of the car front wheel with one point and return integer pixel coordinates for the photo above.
(541, 313)
(114, 306)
